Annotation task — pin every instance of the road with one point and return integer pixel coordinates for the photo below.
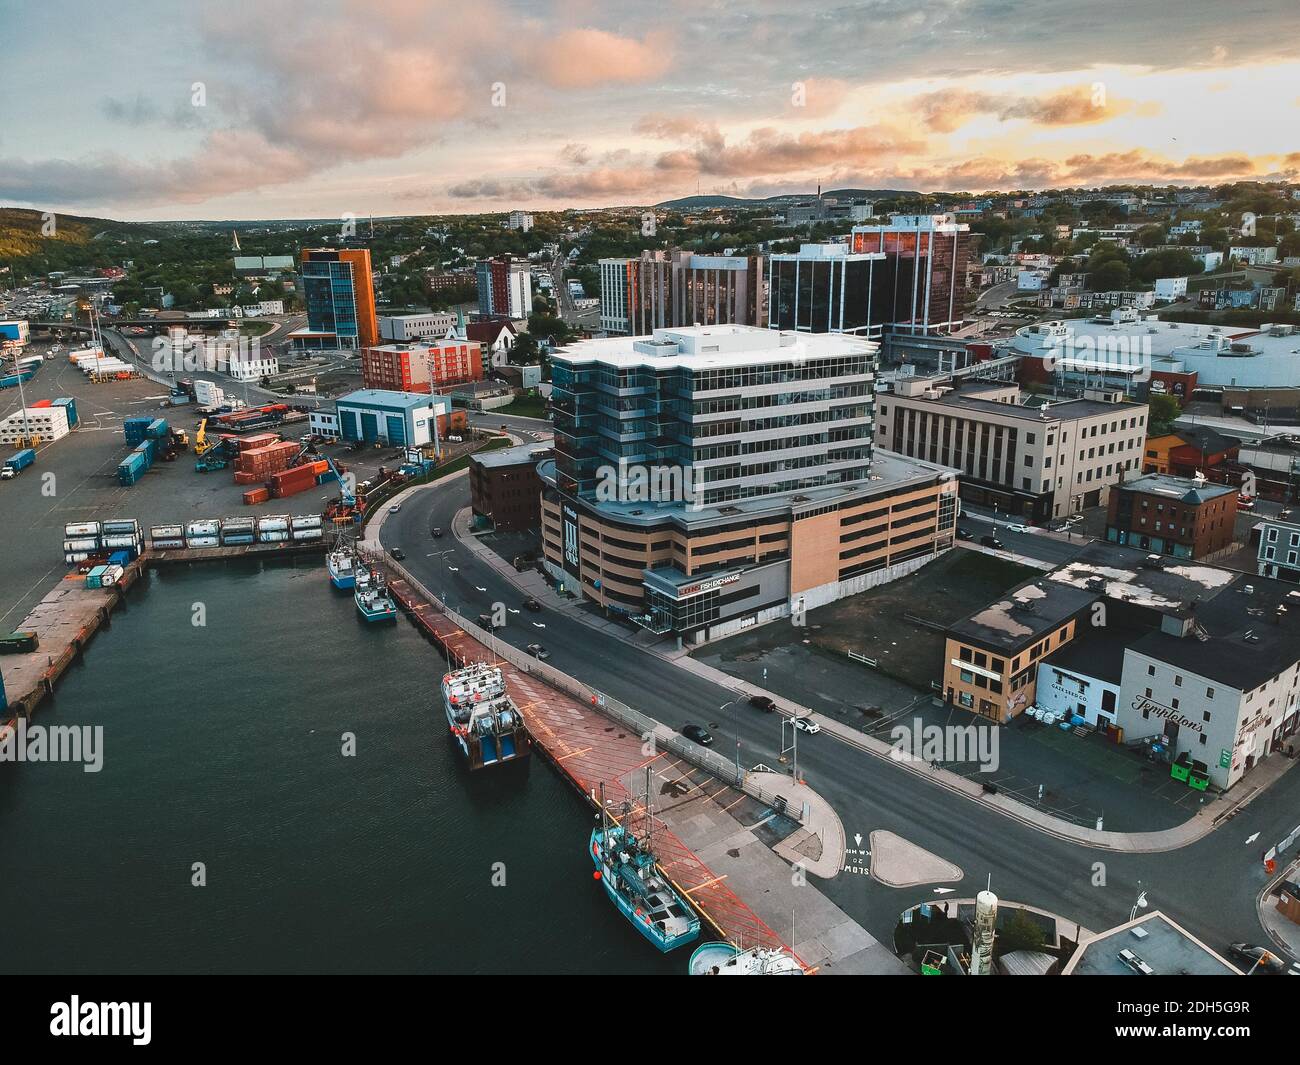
(1029, 544)
(1210, 886)
(589, 319)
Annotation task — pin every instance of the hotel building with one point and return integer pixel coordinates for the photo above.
(710, 478)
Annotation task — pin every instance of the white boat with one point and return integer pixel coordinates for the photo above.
(486, 725)
(723, 959)
(341, 564)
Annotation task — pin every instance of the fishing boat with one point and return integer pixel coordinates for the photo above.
(341, 564)
(627, 867)
(486, 725)
(374, 602)
(725, 959)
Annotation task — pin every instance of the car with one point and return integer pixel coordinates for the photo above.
(991, 541)
(806, 724)
(533, 605)
(1250, 955)
(699, 734)
(485, 621)
(394, 508)
(762, 702)
(964, 533)
(397, 553)
(538, 651)
(1018, 528)
(1245, 503)
(436, 533)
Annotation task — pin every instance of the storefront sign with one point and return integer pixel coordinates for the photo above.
(1142, 705)
(707, 586)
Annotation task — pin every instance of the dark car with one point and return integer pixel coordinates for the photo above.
(485, 621)
(1248, 955)
(964, 534)
(699, 734)
(538, 651)
(762, 702)
(533, 605)
(991, 541)
(436, 533)
(397, 553)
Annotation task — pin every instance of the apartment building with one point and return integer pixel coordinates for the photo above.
(710, 478)
(1279, 550)
(1037, 461)
(1180, 516)
(424, 368)
(505, 287)
(669, 289)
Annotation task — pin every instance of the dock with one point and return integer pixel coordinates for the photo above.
(589, 749)
(70, 614)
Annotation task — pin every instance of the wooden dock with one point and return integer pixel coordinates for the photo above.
(590, 749)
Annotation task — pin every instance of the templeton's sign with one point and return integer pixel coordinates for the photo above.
(1149, 707)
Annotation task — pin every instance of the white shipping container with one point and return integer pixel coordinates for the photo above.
(307, 534)
(307, 521)
(273, 523)
(272, 537)
(121, 540)
(73, 557)
(167, 532)
(121, 525)
(82, 544)
(200, 541)
(81, 528)
(166, 545)
(206, 527)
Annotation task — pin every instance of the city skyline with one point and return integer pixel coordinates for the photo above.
(410, 108)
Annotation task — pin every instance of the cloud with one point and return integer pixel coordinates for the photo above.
(579, 59)
(948, 110)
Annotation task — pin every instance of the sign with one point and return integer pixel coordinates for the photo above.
(1225, 758)
(1149, 706)
(707, 586)
(570, 523)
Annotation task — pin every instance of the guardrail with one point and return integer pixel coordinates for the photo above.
(644, 726)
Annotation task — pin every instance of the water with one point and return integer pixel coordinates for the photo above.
(222, 745)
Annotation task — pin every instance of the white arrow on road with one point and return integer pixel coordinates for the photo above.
(454, 569)
(857, 838)
(539, 624)
(478, 589)
(1251, 839)
(943, 891)
(512, 610)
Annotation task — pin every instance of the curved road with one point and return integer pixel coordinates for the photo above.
(1210, 886)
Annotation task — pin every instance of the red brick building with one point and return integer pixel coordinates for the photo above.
(426, 367)
(1177, 516)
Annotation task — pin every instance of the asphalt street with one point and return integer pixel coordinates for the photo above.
(1210, 886)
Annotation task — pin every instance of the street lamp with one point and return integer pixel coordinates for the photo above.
(1140, 904)
(732, 703)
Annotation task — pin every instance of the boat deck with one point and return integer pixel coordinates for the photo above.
(590, 749)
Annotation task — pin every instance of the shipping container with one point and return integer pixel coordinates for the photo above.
(157, 429)
(123, 558)
(201, 541)
(273, 523)
(307, 534)
(81, 528)
(81, 544)
(273, 537)
(203, 527)
(166, 544)
(119, 541)
(166, 532)
(20, 460)
(256, 495)
(19, 643)
(111, 575)
(121, 525)
(307, 521)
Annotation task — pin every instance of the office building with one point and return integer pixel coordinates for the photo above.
(822, 288)
(1038, 462)
(669, 289)
(426, 367)
(340, 298)
(1180, 516)
(396, 419)
(504, 489)
(505, 287)
(710, 478)
(920, 286)
(432, 325)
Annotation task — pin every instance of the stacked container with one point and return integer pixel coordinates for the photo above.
(248, 443)
(131, 468)
(156, 429)
(273, 529)
(134, 429)
(70, 406)
(238, 531)
(167, 537)
(122, 534)
(80, 541)
(205, 533)
(110, 576)
(307, 527)
(261, 462)
(95, 578)
(291, 482)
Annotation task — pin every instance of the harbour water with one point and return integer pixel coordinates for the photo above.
(222, 745)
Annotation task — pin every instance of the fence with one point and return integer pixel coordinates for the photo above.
(646, 727)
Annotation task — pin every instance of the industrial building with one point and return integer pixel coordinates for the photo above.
(668, 289)
(1040, 462)
(398, 419)
(403, 328)
(711, 478)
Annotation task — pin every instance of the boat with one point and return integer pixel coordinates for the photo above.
(374, 602)
(627, 867)
(725, 959)
(486, 725)
(341, 564)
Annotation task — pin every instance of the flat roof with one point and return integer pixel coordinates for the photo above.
(382, 397)
(1184, 489)
(1097, 651)
(1023, 616)
(1163, 944)
(512, 456)
(713, 346)
(1158, 582)
(1065, 410)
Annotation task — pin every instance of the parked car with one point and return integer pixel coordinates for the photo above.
(538, 651)
(1245, 503)
(533, 605)
(397, 553)
(1247, 954)
(762, 702)
(699, 734)
(806, 724)
(991, 541)
(1018, 528)
(485, 621)
(964, 533)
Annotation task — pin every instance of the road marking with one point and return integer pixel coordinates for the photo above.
(943, 891)
(1251, 839)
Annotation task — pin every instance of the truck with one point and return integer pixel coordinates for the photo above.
(16, 463)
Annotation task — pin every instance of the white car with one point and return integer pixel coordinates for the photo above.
(806, 724)
(394, 508)
(1018, 528)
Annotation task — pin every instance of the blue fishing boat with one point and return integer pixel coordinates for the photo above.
(484, 722)
(341, 564)
(626, 866)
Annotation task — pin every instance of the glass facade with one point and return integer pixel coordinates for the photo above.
(331, 299)
(817, 294)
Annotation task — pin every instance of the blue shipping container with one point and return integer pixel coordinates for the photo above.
(157, 429)
(70, 405)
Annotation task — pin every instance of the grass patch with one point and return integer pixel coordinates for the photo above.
(523, 407)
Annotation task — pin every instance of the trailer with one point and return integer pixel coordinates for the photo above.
(17, 462)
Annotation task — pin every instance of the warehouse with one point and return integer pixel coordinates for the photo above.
(399, 419)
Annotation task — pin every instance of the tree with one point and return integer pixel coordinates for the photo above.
(1164, 412)
(1020, 932)
(1112, 274)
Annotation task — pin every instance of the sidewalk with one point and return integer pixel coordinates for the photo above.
(1195, 828)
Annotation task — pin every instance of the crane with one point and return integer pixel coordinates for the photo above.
(345, 510)
(201, 445)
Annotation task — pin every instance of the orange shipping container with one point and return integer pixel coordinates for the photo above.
(256, 495)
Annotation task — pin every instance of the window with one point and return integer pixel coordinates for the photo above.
(1151, 671)
(1202, 739)
(965, 654)
(1178, 681)
(1205, 716)
(1209, 694)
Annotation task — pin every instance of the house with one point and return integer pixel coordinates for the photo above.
(495, 338)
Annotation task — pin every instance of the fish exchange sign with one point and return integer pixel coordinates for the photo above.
(1142, 705)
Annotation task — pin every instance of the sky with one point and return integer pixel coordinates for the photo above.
(174, 109)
